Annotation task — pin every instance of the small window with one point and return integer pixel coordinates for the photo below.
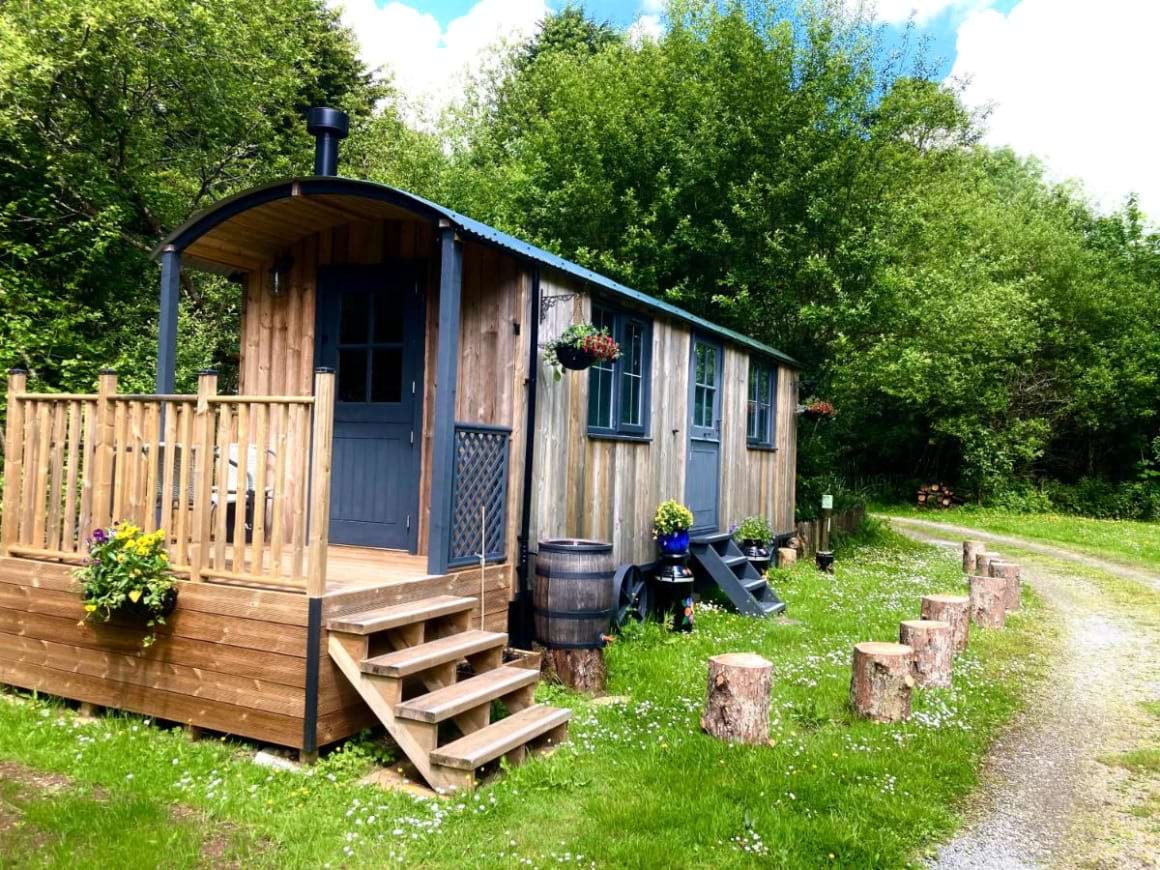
(762, 391)
(618, 392)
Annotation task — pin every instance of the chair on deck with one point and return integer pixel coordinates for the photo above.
(231, 494)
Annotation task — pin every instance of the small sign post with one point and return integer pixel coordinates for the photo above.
(825, 557)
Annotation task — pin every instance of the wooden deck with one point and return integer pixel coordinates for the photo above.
(350, 568)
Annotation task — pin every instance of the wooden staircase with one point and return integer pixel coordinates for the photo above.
(720, 559)
(406, 662)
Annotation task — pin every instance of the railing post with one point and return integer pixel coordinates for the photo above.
(203, 441)
(446, 376)
(322, 445)
(103, 452)
(13, 459)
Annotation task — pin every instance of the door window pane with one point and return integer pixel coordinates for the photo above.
(388, 321)
(355, 319)
(387, 375)
(352, 375)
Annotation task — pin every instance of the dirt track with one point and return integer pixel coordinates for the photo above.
(1048, 799)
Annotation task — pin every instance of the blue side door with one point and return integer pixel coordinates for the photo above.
(370, 330)
(703, 463)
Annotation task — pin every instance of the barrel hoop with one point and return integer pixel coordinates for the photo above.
(574, 545)
(572, 614)
(576, 575)
(593, 644)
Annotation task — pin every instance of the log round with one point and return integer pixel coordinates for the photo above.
(955, 610)
(934, 647)
(988, 601)
(580, 669)
(881, 682)
(983, 562)
(971, 550)
(1011, 573)
(979, 563)
(737, 707)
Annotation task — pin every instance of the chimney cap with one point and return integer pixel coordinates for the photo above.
(323, 119)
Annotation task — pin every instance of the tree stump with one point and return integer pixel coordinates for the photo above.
(934, 649)
(988, 601)
(1011, 573)
(982, 561)
(881, 681)
(971, 551)
(786, 556)
(737, 708)
(579, 669)
(954, 610)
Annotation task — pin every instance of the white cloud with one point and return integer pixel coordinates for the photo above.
(1073, 83)
(646, 27)
(428, 62)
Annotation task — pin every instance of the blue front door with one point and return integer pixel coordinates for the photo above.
(703, 464)
(370, 330)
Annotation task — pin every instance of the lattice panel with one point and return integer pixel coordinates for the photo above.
(481, 473)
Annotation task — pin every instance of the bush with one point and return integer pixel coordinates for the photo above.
(1105, 500)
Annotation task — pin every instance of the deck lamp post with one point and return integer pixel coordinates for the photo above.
(825, 556)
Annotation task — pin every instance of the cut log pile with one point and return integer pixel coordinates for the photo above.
(937, 495)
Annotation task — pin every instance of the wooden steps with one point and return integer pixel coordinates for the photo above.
(462, 696)
(412, 660)
(718, 559)
(385, 618)
(501, 738)
(405, 662)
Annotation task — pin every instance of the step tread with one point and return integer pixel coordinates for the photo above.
(734, 560)
(412, 660)
(465, 695)
(773, 606)
(383, 618)
(487, 744)
(710, 538)
(754, 584)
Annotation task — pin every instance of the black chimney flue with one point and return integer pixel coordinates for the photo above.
(328, 126)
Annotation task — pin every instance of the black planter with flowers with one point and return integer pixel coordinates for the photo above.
(578, 347)
(754, 536)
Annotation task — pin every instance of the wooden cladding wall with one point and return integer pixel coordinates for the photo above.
(277, 340)
(278, 335)
(228, 659)
(608, 489)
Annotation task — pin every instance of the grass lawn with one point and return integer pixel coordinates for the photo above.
(638, 784)
(1122, 540)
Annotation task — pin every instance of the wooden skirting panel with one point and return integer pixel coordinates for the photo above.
(229, 659)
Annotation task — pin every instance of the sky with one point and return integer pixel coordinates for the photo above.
(1072, 82)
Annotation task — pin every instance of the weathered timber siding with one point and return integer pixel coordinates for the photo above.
(608, 489)
(229, 659)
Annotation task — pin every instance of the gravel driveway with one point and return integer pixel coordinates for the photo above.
(1048, 800)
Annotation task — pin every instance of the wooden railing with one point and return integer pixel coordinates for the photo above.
(232, 480)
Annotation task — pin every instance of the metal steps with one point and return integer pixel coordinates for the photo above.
(416, 650)
(717, 558)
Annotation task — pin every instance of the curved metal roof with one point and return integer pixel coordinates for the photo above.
(324, 191)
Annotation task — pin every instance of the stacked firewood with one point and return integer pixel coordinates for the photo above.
(937, 495)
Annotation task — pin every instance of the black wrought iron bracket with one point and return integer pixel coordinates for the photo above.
(547, 303)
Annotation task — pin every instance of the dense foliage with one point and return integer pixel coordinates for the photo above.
(768, 164)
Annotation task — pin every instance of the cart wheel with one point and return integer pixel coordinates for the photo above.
(632, 595)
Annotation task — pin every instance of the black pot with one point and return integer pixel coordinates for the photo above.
(574, 358)
(757, 553)
(825, 561)
(138, 612)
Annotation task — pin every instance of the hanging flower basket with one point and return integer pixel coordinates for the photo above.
(817, 409)
(580, 345)
(574, 358)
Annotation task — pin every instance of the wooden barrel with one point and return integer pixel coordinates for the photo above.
(572, 595)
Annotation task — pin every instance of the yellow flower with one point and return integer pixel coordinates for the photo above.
(90, 608)
(135, 595)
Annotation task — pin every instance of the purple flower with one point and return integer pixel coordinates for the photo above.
(100, 536)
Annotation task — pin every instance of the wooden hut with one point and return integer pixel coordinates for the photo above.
(395, 420)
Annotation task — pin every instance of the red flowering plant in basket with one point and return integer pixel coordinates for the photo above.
(817, 409)
(579, 346)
